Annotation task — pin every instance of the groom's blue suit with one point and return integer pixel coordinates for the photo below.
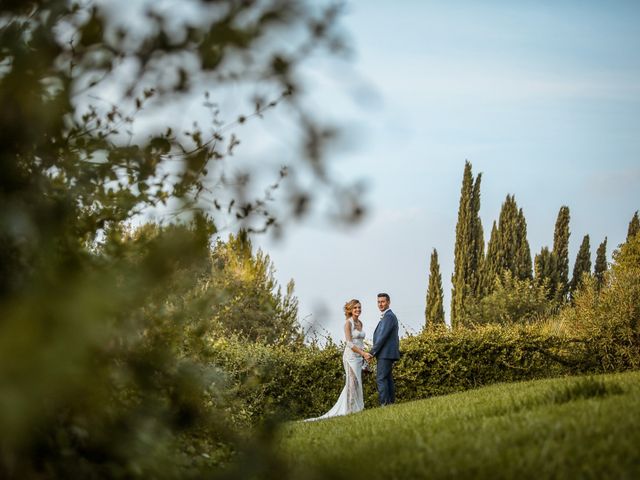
(386, 348)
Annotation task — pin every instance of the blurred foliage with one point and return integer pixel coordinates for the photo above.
(94, 382)
(102, 329)
(228, 288)
(250, 302)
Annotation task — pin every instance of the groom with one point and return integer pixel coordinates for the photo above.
(386, 348)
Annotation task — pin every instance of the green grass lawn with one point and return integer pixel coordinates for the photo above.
(577, 427)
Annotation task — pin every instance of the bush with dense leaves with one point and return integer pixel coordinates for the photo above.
(608, 319)
(511, 300)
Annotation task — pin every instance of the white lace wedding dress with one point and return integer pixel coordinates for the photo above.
(351, 399)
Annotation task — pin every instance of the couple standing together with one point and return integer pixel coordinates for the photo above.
(386, 349)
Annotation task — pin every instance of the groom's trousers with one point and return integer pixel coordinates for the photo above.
(384, 379)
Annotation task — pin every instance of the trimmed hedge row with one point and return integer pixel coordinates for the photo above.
(277, 380)
(305, 382)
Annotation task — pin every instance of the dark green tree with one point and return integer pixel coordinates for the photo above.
(546, 270)
(489, 267)
(582, 266)
(561, 252)
(508, 248)
(468, 249)
(522, 262)
(478, 239)
(600, 267)
(434, 311)
(634, 226)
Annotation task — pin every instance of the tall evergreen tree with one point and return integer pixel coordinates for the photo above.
(522, 262)
(508, 247)
(600, 266)
(468, 247)
(582, 265)
(500, 242)
(546, 270)
(634, 226)
(561, 252)
(434, 312)
(477, 258)
(489, 268)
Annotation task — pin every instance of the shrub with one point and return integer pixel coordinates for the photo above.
(608, 320)
(512, 300)
(304, 382)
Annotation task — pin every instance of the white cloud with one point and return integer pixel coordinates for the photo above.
(414, 79)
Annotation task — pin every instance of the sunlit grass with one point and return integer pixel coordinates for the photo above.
(579, 427)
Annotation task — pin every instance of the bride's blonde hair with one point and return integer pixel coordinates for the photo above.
(348, 307)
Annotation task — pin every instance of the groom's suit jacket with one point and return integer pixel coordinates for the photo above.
(386, 342)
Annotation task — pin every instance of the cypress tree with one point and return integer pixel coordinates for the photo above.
(634, 226)
(600, 266)
(461, 251)
(490, 269)
(434, 312)
(561, 252)
(477, 258)
(582, 265)
(503, 248)
(522, 267)
(468, 247)
(508, 247)
(546, 270)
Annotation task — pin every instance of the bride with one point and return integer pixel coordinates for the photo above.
(351, 399)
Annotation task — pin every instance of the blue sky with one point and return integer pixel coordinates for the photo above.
(543, 98)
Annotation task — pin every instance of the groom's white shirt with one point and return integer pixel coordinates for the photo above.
(383, 312)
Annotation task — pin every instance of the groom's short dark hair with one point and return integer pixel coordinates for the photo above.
(385, 295)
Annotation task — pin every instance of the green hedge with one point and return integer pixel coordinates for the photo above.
(277, 380)
(305, 382)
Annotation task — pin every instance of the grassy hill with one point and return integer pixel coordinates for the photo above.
(577, 427)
